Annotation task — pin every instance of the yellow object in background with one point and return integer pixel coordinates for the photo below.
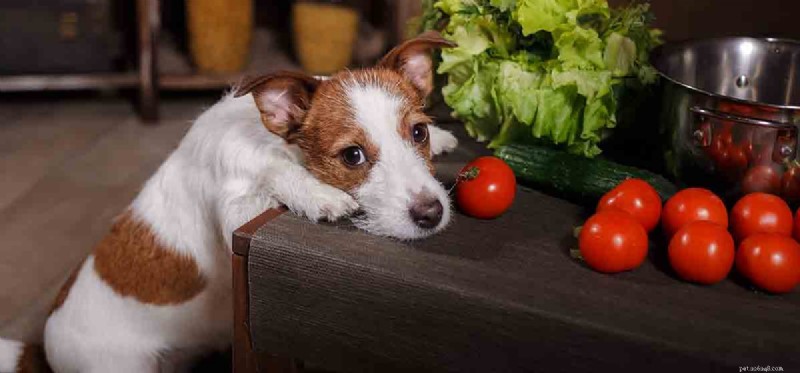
(219, 34)
(324, 36)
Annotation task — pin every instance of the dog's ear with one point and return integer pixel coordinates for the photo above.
(282, 98)
(413, 60)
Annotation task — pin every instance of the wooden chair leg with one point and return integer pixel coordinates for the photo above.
(149, 26)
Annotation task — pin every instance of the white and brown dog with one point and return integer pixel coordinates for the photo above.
(156, 292)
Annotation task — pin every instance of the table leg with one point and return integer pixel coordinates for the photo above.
(244, 359)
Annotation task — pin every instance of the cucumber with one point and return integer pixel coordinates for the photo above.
(574, 177)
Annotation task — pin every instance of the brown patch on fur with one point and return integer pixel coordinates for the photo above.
(317, 115)
(419, 73)
(64, 291)
(297, 89)
(33, 360)
(330, 126)
(135, 264)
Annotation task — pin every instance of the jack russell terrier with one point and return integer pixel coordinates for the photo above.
(155, 293)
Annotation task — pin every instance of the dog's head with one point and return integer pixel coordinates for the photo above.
(364, 132)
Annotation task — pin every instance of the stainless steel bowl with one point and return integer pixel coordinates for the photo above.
(730, 114)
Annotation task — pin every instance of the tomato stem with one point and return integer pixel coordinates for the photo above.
(470, 173)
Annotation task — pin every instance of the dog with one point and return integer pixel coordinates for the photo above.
(155, 294)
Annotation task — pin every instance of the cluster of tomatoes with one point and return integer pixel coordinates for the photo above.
(746, 154)
(701, 248)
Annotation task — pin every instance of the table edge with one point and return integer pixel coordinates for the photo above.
(244, 234)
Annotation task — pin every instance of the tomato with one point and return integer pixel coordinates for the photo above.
(613, 241)
(747, 144)
(730, 159)
(702, 252)
(790, 183)
(486, 188)
(720, 143)
(725, 136)
(760, 213)
(692, 204)
(762, 178)
(718, 151)
(636, 197)
(736, 164)
(770, 261)
(796, 230)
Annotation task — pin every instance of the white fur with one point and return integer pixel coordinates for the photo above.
(441, 141)
(10, 352)
(399, 175)
(225, 171)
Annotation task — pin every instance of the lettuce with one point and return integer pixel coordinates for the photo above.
(541, 70)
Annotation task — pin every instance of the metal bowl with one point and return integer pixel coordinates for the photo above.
(730, 114)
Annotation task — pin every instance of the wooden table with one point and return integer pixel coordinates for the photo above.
(500, 295)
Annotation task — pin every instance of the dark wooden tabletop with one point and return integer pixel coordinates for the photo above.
(499, 295)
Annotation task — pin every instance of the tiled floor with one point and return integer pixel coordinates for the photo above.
(67, 166)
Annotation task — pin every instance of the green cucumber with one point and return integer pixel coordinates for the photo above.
(572, 176)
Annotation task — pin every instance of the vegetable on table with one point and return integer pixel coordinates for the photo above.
(612, 241)
(796, 226)
(574, 177)
(702, 252)
(485, 188)
(636, 197)
(770, 261)
(760, 213)
(690, 205)
(542, 69)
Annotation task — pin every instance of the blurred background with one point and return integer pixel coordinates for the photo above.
(94, 94)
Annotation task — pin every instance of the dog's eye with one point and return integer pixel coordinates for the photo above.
(353, 156)
(419, 133)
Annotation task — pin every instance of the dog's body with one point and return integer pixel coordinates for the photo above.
(156, 292)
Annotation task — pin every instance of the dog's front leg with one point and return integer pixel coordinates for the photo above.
(284, 182)
(292, 185)
(442, 141)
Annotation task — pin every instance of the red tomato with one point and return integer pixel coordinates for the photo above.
(720, 142)
(613, 241)
(636, 197)
(692, 204)
(747, 145)
(790, 183)
(760, 213)
(725, 136)
(702, 252)
(762, 178)
(486, 188)
(736, 164)
(796, 230)
(770, 261)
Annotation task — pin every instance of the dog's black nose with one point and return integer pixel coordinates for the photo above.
(426, 212)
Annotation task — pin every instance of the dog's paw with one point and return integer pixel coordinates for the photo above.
(442, 141)
(327, 203)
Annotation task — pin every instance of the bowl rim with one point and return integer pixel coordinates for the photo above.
(662, 49)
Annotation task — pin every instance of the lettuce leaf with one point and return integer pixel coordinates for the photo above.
(542, 70)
